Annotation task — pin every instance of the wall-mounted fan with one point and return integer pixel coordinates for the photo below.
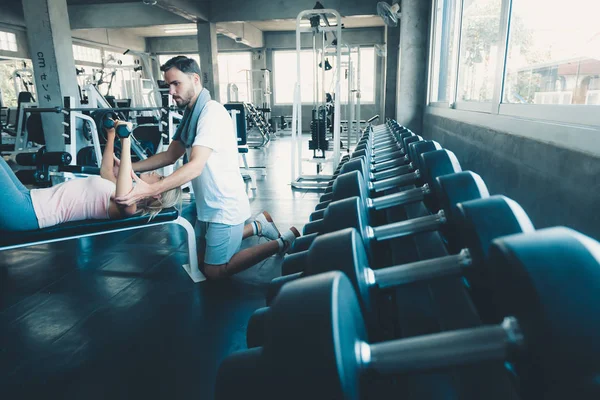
(389, 14)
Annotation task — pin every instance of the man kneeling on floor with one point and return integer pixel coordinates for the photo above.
(207, 136)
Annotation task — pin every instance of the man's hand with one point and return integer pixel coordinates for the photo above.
(140, 191)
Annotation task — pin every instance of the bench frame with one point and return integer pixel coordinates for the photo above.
(191, 268)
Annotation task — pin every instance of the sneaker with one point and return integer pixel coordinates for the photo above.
(288, 238)
(268, 228)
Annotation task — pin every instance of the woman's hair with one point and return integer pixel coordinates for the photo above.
(167, 199)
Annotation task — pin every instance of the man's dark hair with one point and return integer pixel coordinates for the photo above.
(182, 63)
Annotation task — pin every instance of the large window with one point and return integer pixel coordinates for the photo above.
(285, 76)
(521, 58)
(367, 75)
(233, 69)
(554, 56)
(8, 41)
(480, 37)
(12, 83)
(87, 54)
(444, 51)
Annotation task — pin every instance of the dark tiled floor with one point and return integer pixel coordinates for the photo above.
(116, 316)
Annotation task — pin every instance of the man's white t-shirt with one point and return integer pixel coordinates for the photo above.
(220, 191)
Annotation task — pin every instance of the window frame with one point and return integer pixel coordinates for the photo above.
(9, 35)
(275, 103)
(227, 82)
(85, 62)
(362, 102)
(571, 115)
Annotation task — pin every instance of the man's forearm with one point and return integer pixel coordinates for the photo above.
(178, 178)
(158, 160)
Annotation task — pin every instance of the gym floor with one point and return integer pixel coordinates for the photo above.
(115, 316)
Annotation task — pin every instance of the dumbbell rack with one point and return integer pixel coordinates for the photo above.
(430, 307)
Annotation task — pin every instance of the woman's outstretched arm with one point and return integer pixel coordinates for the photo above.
(124, 179)
(106, 169)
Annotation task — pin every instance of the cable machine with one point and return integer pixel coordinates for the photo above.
(316, 23)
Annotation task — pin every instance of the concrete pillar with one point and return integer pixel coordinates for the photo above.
(414, 35)
(207, 48)
(392, 41)
(50, 45)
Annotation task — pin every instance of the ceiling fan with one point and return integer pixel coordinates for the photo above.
(389, 13)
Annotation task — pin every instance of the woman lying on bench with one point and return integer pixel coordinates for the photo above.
(80, 199)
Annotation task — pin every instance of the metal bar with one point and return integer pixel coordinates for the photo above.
(401, 198)
(409, 227)
(390, 164)
(434, 268)
(66, 109)
(439, 350)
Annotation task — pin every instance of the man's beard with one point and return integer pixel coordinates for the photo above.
(185, 101)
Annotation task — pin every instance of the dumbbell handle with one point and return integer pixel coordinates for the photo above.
(390, 183)
(384, 150)
(408, 227)
(406, 197)
(389, 164)
(402, 176)
(388, 173)
(391, 172)
(387, 138)
(421, 270)
(380, 203)
(387, 157)
(440, 350)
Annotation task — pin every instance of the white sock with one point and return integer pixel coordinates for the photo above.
(281, 243)
(255, 229)
(288, 236)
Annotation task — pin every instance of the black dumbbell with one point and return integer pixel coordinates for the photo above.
(379, 182)
(431, 165)
(383, 131)
(123, 130)
(480, 221)
(400, 159)
(381, 150)
(351, 213)
(391, 142)
(107, 119)
(402, 165)
(104, 118)
(386, 155)
(547, 283)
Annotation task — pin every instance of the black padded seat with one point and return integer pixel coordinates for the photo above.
(84, 227)
(79, 229)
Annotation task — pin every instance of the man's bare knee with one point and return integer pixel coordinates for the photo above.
(215, 271)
